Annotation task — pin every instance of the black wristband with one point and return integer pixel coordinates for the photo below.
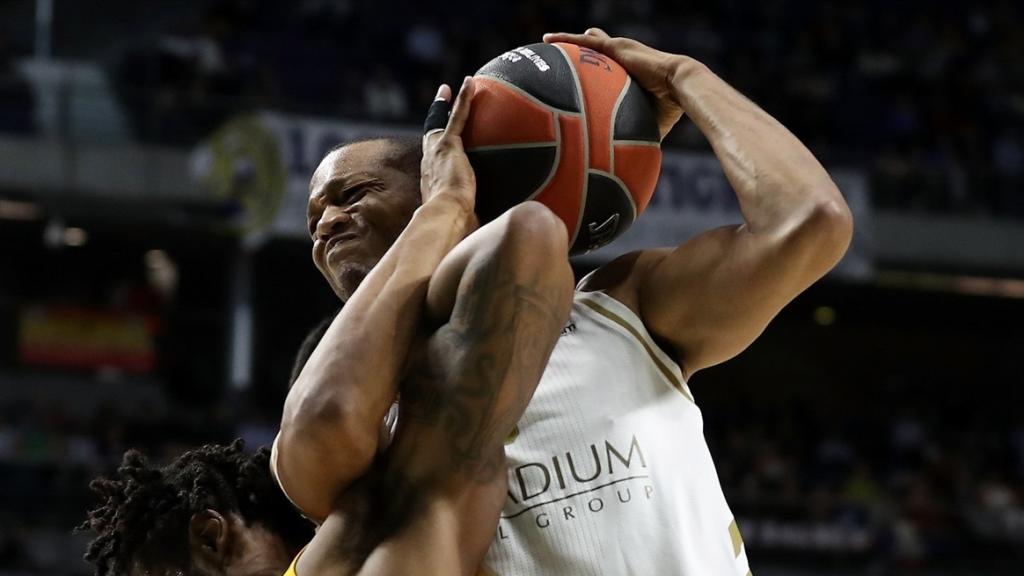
(437, 116)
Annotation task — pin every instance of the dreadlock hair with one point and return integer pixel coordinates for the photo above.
(144, 511)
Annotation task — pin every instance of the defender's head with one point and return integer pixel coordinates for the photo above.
(362, 196)
(213, 511)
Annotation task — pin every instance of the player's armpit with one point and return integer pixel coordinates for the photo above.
(712, 296)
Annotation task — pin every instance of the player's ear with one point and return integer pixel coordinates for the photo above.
(208, 535)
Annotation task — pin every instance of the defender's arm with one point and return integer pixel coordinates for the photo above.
(446, 468)
(332, 415)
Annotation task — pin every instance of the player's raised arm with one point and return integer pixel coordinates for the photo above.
(431, 502)
(329, 430)
(711, 296)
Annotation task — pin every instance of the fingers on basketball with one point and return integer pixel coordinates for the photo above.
(593, 38)
(444, 94)
(460, 112)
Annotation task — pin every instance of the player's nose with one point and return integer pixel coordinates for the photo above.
(333, 220)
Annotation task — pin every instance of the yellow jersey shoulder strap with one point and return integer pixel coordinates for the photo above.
(295, 562)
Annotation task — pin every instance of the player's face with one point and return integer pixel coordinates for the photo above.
(240, 550)
(358, 205)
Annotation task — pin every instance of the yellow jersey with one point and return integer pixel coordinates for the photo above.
(291, 569)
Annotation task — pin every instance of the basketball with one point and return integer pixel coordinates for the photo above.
(568, 127)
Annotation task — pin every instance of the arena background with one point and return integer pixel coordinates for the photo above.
(155, 282)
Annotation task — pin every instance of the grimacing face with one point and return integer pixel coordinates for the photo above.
(359, 203)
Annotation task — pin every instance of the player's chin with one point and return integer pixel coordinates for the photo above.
(348, 276)
(347, 265)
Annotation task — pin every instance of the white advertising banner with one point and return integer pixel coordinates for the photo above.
(693, 195)
(262, 165)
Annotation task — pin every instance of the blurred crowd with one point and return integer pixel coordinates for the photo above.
(903, 484)
(898, 489)
(928, 96)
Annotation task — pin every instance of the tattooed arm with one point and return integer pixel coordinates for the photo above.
(332, 415)
(470, 387)
(431, 504)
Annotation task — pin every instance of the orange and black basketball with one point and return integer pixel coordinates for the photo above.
(568, 127)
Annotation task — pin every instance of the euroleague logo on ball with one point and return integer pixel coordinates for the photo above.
(518, 54)
(587, 56)
(565, 126)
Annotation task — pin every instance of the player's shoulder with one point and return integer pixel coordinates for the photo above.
(624, 273)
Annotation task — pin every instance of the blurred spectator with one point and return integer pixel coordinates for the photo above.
(928, 97)
(925, 498)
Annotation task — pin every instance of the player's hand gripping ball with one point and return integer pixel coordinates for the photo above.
(568, 127)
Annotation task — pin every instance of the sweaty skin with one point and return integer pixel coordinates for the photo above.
(463, 331)
(710, 297)
(706, 299)
(354, 215)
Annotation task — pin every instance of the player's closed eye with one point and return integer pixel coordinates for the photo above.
(355, 194)
(347, 198)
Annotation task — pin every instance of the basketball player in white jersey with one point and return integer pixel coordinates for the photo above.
(609, 472)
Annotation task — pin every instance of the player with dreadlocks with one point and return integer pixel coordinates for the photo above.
(461, 320)
(144, 510)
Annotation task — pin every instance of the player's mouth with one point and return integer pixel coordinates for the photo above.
(339, 241)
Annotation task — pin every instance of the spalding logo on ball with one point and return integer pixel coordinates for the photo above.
(568, 127)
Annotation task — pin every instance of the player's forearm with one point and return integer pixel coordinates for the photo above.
(352, 377)
(778, 181)
(480, 369)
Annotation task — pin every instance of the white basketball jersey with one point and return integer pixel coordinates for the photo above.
(609, 472)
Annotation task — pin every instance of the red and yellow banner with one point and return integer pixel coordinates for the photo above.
(68, 337)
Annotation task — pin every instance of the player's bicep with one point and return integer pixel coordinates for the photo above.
(712, 296)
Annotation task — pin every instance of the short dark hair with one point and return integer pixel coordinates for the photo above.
(408, 152)
(141, 505)
(309, 344)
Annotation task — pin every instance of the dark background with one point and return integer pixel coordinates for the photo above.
(876, 426)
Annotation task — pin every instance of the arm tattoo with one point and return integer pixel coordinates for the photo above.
(480, 369)
(464, 393)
